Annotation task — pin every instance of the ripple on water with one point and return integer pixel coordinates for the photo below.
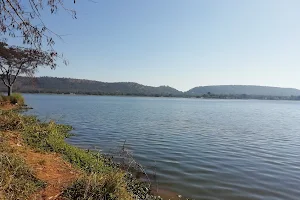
(204, 149)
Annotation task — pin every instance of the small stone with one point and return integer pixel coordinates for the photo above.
(179, 196)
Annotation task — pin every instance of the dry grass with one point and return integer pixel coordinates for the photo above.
(14, 99)
(17, 180)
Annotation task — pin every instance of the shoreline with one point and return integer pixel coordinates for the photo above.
(264, 98)
(87, 162)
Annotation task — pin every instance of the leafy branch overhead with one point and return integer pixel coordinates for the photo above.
(24, 19)
(17, 60)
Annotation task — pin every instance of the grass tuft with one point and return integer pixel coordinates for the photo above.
(17, 98)
(10, 120)
(17, 181)
(111, 186)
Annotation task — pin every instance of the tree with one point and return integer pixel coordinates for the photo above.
(17, 60)
(24, 19)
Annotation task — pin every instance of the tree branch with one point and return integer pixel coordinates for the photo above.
(2, 69)
(19, 70)
(3, 80)
(8, 76)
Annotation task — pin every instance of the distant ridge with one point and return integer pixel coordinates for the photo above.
(81, 86)
(244, 89)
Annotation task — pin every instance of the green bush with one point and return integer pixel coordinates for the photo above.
(16, 98)
(10, 121)
(111, 186)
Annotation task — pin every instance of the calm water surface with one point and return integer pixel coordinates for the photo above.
(202, 149)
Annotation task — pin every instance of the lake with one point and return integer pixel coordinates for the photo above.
(201, 149)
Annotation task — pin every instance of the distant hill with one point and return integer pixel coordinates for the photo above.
(80, 86)
(244, 89)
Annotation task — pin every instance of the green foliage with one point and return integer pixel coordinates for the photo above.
(10, 121)
(50, 137)
(17, 98)
(16, 179)
(111, 186)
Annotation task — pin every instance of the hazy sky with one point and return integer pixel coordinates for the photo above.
(182, 43)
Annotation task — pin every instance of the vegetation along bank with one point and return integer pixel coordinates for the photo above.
(39, 164)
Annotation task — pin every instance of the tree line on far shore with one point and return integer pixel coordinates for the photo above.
(53, 85)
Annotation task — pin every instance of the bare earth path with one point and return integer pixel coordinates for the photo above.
(48, 167)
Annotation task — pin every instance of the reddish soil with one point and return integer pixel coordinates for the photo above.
(7, 106)
(53, 170)
(48, 167)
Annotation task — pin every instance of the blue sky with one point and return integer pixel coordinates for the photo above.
(181, 43)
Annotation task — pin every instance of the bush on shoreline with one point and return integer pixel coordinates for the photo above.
(15, 98)
(94, 186)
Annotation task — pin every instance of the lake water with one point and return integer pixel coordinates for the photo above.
(202, 149)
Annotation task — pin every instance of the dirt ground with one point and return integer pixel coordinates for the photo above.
(48, 167)
(7, 106)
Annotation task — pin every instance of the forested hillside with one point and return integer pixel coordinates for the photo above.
(80, 86)
(244, 89)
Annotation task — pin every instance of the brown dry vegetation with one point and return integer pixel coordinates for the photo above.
(7, 106)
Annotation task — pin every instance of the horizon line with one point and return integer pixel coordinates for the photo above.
(161, 85)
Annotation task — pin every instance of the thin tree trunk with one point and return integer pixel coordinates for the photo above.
(9, 90)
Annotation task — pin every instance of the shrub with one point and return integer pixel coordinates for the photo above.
(109, 186)
(10, 121)
(16, 98)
